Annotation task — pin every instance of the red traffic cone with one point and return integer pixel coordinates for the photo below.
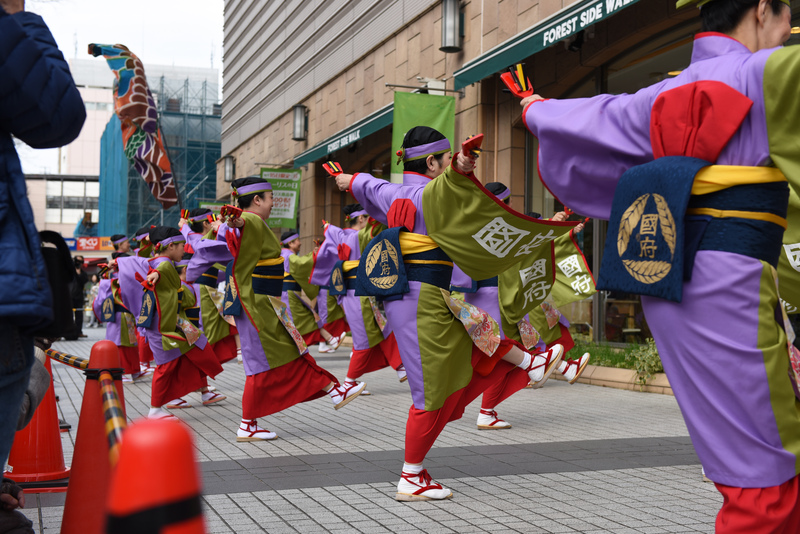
(91, 468)
(37, 454)
(162, 494)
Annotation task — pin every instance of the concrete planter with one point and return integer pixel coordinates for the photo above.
(621, 379)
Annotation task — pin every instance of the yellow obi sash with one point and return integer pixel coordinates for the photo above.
(411, 244)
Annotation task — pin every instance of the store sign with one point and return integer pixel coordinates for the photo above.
(285, 196)
(580, 20)
(71, 242)
(561, 25)
(93, 243)
(347, 139)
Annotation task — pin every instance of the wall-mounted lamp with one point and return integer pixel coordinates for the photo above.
(451, 26)
(299, 122)
(228, 168)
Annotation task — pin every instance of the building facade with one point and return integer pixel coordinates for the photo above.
(343, 60)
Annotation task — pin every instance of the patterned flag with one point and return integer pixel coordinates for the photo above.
(136, 109)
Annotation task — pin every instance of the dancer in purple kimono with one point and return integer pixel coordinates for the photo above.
(436, 350)
(722, 342)
(485, 295)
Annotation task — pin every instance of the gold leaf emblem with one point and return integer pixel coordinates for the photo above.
(147, 307)
(383, 256)
(646, 271)
(336, 278)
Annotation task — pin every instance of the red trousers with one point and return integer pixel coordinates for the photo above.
(275, 390)
(145, 353)
(774, 510)
(129, 359)
(423, 427)
(384, 354)
(186, 373)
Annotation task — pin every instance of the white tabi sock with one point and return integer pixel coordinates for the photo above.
(412, 469)
(562, 366)
(526, 361)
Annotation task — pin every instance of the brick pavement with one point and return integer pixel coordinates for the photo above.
(578, 459)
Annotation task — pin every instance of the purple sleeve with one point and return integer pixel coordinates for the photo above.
(130, 289)
(327, 256)
(374, 194)
(207, 252)
(586, 144)
(460, 278)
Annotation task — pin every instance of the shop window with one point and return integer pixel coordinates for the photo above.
(660, 57)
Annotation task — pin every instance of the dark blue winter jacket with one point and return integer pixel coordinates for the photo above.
(40, 105)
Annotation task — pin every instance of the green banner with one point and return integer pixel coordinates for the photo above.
(414, 109)
(285, 196)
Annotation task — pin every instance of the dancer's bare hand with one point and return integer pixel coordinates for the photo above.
(465, 163)
(527, 100)
(235, 222)
(343, 181)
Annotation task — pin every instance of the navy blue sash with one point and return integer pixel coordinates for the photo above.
(209, 278)
(644, 252)
(757, 239)
(289, 283)
(381, 272)
(268, 280)
(436, 274)
(231, 304)
(193, 314)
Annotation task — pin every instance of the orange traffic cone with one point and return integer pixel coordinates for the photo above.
(37, 455)
(161, 496)
(91, 468)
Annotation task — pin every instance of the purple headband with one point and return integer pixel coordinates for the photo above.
(174, 239)
(290, 239)
(120, 240)
(423, 151)
(250, 189)
(504, 194)
(357, 214)
(202, 217)
(141, 236)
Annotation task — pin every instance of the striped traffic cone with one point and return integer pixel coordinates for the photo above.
(162, 494)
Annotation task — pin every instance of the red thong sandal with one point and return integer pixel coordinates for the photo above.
(420, 487)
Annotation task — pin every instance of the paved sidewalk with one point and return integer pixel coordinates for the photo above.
(578, 459)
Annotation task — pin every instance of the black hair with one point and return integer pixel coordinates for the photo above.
(534, 214)
(197, 226)
(143, 230)
(497, 188)
(115, 255)
(245, 200)
(116, 237)
(286, 235)
(352, 208)
(160, 233)
(724, 15)
(416, 136)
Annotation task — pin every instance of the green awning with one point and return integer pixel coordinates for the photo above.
(366, 126)
(558, 27)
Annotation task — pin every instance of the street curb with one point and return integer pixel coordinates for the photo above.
(612, 377)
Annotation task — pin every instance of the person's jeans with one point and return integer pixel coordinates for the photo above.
(16, 360)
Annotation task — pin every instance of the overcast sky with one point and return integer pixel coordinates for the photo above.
(166, 32)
